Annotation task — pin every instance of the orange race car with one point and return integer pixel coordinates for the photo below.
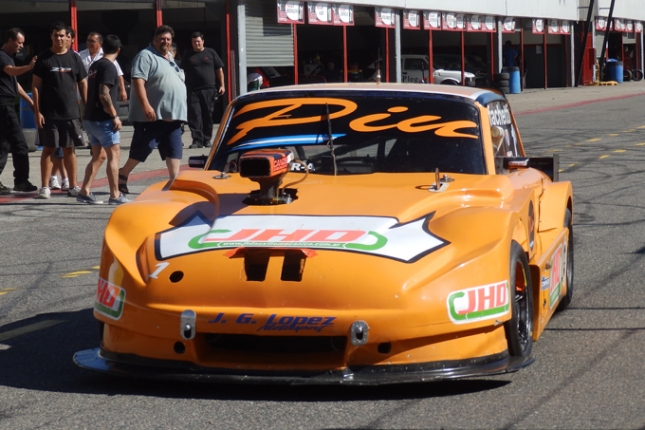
(341, 234)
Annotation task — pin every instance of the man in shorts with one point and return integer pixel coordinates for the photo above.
(158, 109)
(102, 123)
(58, 78)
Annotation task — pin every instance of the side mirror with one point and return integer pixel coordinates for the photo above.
(550, 166)
(197, 161)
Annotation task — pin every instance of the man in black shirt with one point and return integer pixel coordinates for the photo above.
(102, 123)
(10, 129)
(203, 69)
(58, 78)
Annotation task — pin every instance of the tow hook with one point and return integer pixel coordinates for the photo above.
(187, 324)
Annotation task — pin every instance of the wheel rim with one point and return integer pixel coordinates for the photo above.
(524, 321)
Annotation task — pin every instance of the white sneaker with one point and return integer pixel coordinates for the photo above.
(53, 183)
(44, 193)
(73, 192)
(65, 185)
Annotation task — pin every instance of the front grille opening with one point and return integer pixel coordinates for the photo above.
(277, 344)
(256, 264)
(293, 267)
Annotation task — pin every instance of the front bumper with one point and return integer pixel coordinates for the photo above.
(103, 361)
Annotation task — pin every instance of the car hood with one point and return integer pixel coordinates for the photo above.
(394, 217)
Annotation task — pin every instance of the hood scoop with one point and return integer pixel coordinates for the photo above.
(268, 167)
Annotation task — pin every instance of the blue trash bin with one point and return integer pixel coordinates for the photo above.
(27, 119)
(615, 70)
(514, 82)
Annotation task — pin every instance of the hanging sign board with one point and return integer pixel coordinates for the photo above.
(508, 26)
(343, 14)
(489, 23)
(601, 23)
(557, 26)
(638, 26)
(480, 23)
(291, 12)
(453, 21)
(411, 20)
(618, 25)
(319, 13)
(431, 20)
(474, 23)
(384, 17)
(538, 26)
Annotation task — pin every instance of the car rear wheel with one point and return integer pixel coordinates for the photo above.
(519, 329)
(568, 277)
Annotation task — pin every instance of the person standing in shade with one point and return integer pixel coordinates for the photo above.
(510, 54)
(58, 78)
(204, 84)
(102, 123)
(159, 107)
(10, 129)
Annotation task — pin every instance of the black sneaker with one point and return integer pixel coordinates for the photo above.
(25, 187)
(195, 145)
(4, 189)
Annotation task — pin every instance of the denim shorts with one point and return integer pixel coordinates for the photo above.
(102, 133)
(165, 135)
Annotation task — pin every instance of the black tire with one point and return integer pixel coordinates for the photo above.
(627, 75)
(505, 90)
(504, 75)
(566, 300)
(450, 82)
(519, 329)
(502, 83)
(637, 74)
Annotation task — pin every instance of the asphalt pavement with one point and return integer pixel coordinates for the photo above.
(526, 102)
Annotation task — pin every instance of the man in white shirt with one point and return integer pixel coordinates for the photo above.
(93, 53)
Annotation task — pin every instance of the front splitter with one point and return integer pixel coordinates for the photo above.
(99, 360)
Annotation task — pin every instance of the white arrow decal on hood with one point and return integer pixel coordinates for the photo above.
(382, 236)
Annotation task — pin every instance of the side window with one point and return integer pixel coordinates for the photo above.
(505, 141)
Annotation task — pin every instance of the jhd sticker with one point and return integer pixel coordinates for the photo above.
(479, 303)
(109, 299)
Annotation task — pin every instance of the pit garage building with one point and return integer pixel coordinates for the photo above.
(559, 44)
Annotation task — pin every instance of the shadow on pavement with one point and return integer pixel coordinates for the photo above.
(42, 360)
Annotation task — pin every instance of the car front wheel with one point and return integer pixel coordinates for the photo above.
(519, 329)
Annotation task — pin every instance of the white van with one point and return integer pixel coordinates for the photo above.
(414, 68)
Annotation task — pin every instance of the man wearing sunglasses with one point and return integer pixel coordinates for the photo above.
(94, 53)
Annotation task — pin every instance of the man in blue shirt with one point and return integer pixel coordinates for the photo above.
(158, 109)
(510, 54)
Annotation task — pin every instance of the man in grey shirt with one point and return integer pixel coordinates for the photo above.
(159, 107)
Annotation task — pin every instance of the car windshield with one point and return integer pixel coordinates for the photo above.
(357, 132)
